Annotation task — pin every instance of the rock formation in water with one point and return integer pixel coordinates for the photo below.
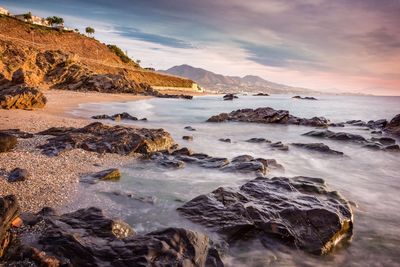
(101, 138)
(304, 98)
(393, 126)
(301, 212)
(268, 115)
(229, 97)
(319, 147)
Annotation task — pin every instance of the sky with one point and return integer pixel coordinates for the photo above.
(332, 46)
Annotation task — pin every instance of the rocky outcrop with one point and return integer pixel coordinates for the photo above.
(305, 98)
(337, 136)
(88, 238)
(318, 147)
(301, 212)
(229, 97)
(117, 117)
(106, 175)
(261, 94)
(7, 142)
(268, 115)
(21, 97)
(9, 211)
(17, 133)
(393, 127)
(101, 138)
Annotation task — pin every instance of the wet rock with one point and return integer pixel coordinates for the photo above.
(182, 151)
(190, 128)
(172, 163)
(280, 146)
(21, 97)
(116, 117)
(319, 147)
(106, 175)
(87, 238)
(242, 158)
(268, 115)
(18, 175)
(258, 140)
(357, 123)
(384, 140)
(261, 94)
(339, 124)
(271, 164)
(393, 126)
(7, 142)
(225, 140)
(337, 136)
(187, 137)
(246, 167)
(17, 133)
(214, 163)
(373, 146)
(229, 97)
(376, 132)
(304, 98)
(9, 211)
(378, 124)
(101, 138)
(392, 148)
(301, 212)
(130, 195)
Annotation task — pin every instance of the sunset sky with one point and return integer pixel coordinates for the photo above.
(333, 46)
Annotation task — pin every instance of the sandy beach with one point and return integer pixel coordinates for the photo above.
(53, 180)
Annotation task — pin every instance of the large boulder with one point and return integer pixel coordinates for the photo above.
(88, 238)
(101, 138)
(7, 142)
(9, 211)
(21, 97)
(268, 115)
(301, 212)
(393, 126)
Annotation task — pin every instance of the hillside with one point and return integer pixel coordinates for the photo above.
(232, 84)
(55, 58)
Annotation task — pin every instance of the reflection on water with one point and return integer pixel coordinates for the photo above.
(369, 178)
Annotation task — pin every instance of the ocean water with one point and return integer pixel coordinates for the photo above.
(371, 179)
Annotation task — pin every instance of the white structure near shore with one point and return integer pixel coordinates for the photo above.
(195, 88)
(4, 11)
(34, 20)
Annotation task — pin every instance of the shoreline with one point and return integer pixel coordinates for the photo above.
(53, 181)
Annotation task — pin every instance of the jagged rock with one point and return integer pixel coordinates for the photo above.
(304, 98)
(87, 238)
(18, 175)
(229, 97)
(204, 160)
(106, 175)
(379, 124)
(393, 126)
(300, 212)
(268, 115)
(187, 137)
(172, 163)
(116, 117)
(17, 133)
(261, 94)
(225, 140)
(7, 142)
(183, 151)
(384, 140)
(9, 211)
(21, 97)
(258, 140)
(245, 164)
(320, 147)
(190, 128)
(337, 136)
(107, 139)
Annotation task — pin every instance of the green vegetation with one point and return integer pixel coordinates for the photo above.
(119, 53)
(89, 30)
(55, 20)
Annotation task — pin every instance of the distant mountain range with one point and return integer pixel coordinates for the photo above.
(233, 84)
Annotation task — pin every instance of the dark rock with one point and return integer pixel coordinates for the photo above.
(261, 94)
(87, 238)
(116, 117)
(373, 146)
(384, 140)
(183, 151)
(145, 199)
(271, 164)
(320, 147)
(18, 175)
(280, 146)
(246, 167)
(107, 139)
(393, 126)
(106, 175)
(356, 123)
(187, 137)
(242, 158)
(268, 115)
(379, 124)
(337, 136)
(392, 148)
(7, 142)
(258, 140)
(376, 132)
(17, 133)
(230, 97)
(340, 124)
(300, 212)
(225, 140)
(9, 211)
(21, 97)
(190, 128)
(214, 163)
(304, 98)
(172, 163)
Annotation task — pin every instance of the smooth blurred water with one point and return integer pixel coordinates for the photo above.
(369, 178)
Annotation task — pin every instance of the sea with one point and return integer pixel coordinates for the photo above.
(369, 179)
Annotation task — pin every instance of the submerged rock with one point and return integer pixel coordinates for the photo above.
(393, 126)
(21, 97)
(187, 137)
(230, 97)
(116, 117)
(305, 98)
(225, 140)
(268, 115)
(101, 138)
(320, 147)
(299, 212)
(258, 140)
(87, 238)
(280, 146)
(337, 136)
(9, 211)
(190, 128)
(261, 94)
(106, 175)
(7, 142)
